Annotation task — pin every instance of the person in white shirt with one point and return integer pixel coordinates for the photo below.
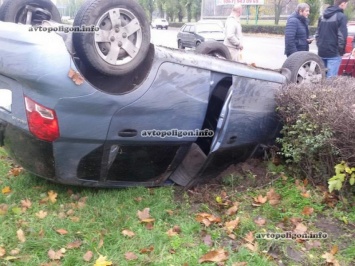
(233, 33)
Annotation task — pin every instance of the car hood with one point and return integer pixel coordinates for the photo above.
(218, 36)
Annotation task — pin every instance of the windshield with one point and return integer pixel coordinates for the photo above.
(208, 28)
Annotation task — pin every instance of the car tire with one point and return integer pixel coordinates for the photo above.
(114, 49)
(305, 67)
(180, 46)
(13, 11)
(166, 28)
(198, 43)
(215, 49)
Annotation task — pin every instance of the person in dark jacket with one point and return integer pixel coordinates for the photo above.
(331, 36)
(296, 31)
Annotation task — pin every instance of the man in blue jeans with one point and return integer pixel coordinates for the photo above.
(331, 36)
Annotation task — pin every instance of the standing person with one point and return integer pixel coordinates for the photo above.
(296, 31)
(233, 33)
(331, 36)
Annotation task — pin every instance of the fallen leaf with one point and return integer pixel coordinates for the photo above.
(231, 225)
(62, 231)
(15, 252)
(21, 235)
(2, 252)
(76, 77)
(52, 196)
(170, 212)
(259, 200)
(128, 233)
(138, 199)
(144, 216)
(249, 237)
(208, 240)
(41, 214)
(101, 261)
(233, 210)
(253, 247)
(329, 257)
(130, 256)
(307, 211)
(15, 171)
(55, 255)
(74, 219)
(171, 233)
(26, 203)
(177, 229)
(306, 194)
(207, 219)
(101, 242)
(75, 244)
(6, 190)
(273, 197)
(147, 250)
(88, 256)
(295, 220)
(334, 250)
(300, 229)
(218, 255)
(3, 209)
(149, 226)
(260, 221)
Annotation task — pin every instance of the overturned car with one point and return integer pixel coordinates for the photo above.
(108, 109)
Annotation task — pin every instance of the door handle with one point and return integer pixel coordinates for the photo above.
(128, 133)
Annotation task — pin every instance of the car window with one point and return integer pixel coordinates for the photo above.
(163, 20)
(192, 29)
(187, 28)
(208, 28)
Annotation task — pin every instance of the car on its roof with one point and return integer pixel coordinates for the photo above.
(160, 23)
(103, 107)
(192, 35)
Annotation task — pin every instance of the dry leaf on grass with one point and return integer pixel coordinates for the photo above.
(130, 256)
(300, 229)
(75, 244)
(26, 203)
(2, 252)
(218, 255)
(307, 211)
(233, 210)
(207, 219)
(259, 200)
(61, 231)
(128, 233)
(6, 190)
(249, 237)
(41, 214)
(147, 250)
(15, 252)
(101, 261)
(253, 247)
(144, 216)
(273, 197)
(55, 255)
(231, 225)
(329, 257)
(52, 196)
(15, 171)
(21, 235)
(88, 256)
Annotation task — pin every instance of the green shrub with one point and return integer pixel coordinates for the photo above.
(318, 131)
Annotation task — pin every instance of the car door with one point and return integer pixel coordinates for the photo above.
(146, 138)
(192, 36)
(185, 36)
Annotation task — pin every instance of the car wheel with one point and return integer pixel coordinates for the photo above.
(121, 41)
(198, 43)
(305, 67)
(29, 11)
(166, 28)
(215, 49)
(180, 46)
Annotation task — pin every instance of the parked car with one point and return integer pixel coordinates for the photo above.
(349, 40)
(160, 23)
(74, 109)
(193, 34)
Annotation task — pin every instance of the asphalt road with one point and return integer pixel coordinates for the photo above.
(262, 50)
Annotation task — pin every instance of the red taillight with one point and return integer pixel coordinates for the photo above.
(42, 121)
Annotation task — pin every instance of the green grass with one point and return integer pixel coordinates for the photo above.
(97, 217)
